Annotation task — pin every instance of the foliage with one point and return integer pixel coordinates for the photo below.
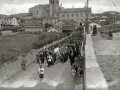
(47, 38)
(14, 45)
(47, 25)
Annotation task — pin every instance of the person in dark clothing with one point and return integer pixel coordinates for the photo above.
(94, 30)
(75, 66)
(37, 58)
(65, 56)
(54, 57)
(72, 58)
(81, 70)
(23, 64)
(41, 57)
(45, 54)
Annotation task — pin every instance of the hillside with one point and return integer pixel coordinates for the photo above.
(2, 15)
(20, 15)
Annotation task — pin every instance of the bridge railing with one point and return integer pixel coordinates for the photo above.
(93, 76)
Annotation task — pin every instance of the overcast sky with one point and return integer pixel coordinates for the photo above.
(22, 6)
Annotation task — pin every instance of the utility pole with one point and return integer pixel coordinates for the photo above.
(87, 15)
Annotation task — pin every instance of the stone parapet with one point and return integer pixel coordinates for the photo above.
(93, 76)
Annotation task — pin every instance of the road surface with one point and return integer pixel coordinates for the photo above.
(57, 77)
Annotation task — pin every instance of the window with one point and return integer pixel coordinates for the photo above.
(63, 15)
(72, 15)
(37, 11)
(68, 15)
(76, 15)
(81, 14)
(86, 14)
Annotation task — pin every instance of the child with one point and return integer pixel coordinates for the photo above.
(41, 72)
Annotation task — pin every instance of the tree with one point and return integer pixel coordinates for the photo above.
(47, 25)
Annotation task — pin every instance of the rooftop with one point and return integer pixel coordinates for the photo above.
(55, 27)
(74, 10)
(10, 17)
(50, 17)
(40, 5)
(30, 17)
(68, 27)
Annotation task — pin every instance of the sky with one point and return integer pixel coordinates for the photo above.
(22, 6)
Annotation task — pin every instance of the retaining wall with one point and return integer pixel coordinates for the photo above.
(10, 69)
(93, 78)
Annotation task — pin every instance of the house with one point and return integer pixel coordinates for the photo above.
(68, 29)
(11, 20)
(103, 18)
(92, 24)
(95, 19)
(15, 21)
(117, 22)
(54, 29)
(31, 21)
(60, 24)
(50, 19)
(75, 14)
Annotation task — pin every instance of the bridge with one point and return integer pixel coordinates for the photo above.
(94, 78)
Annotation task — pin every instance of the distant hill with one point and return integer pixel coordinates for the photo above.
(20, 15)
(110, 12)
(94, 15)
(2, 15)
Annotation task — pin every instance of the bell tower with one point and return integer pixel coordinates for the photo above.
(53, 4)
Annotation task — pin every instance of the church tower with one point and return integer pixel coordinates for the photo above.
(53, 4)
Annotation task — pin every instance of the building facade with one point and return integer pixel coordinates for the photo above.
(75, 14)
(53, 13)
(40, 11)
(10, 21)
(51, 20)
(0, 23)
(31, 21)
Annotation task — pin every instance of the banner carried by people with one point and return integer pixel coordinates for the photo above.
(57, 50)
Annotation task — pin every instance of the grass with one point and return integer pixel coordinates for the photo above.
(9, 45)
(110, 66)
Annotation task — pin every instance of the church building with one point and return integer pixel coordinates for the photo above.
(53, 13)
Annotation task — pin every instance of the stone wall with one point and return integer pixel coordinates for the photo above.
(10, 69)
(93, 76)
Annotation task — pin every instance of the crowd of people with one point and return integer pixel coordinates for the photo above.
(62, 52)
(68, 49)
(53, 55)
